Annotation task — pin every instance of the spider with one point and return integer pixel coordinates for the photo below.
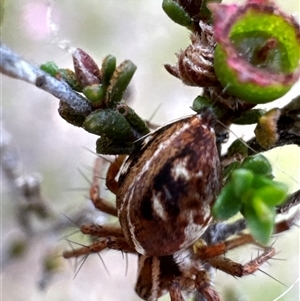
(164, 192)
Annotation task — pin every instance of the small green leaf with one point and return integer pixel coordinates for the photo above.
(238, 147)
(272, 195)
(260, 181)
(202, 102)
(258, 164)
(51, 68)
(108, 123)
(136, 122)
(229, 169)
(119, 81)
(241, 180)
(249, 117)
(177, 13)
(260, 220)
(95, 94)
(227, 203)
(70, 77)
(108, 68)
(106, 146)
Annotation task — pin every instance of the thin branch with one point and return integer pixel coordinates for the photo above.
(12, 65)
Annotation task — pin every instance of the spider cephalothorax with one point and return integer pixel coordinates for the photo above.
(164, 196)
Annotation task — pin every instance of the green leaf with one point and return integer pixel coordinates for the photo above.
(177, 13)
(241, 180)
(272, 195)
(119, 81)
(249, 117)
(227, 203)
(108, 123)
(108, 68)
(70, 77)
(50, 68)
(136, 122)
(238, 147)
(259, 164)
(106, 146)
(260, 220)
(202, 102)
(95, 94)
(260, 181)
(229, 169)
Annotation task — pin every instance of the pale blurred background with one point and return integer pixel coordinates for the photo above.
(131, 29)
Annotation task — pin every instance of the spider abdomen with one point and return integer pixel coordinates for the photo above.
(168, 185)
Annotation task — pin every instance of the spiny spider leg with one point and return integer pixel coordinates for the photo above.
(95, 247)
(98, 202)
(204, 252)
(116, 243)
(102, 231)
(111, 236)
(236, 269)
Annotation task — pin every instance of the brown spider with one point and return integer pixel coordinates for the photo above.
(164, 194)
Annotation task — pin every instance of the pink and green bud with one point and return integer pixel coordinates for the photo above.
(86, 70)
(258, 50)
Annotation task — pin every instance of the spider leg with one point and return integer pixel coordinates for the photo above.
(116, 243)
(102, 230)
(95, 247)
(205, 252)
(286, 224)
(239, 270)
(112, 172)
(100, 203)
(219, 232)
(203, 285)
(175, 290)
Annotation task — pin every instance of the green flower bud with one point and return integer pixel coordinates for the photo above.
(201, 102)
